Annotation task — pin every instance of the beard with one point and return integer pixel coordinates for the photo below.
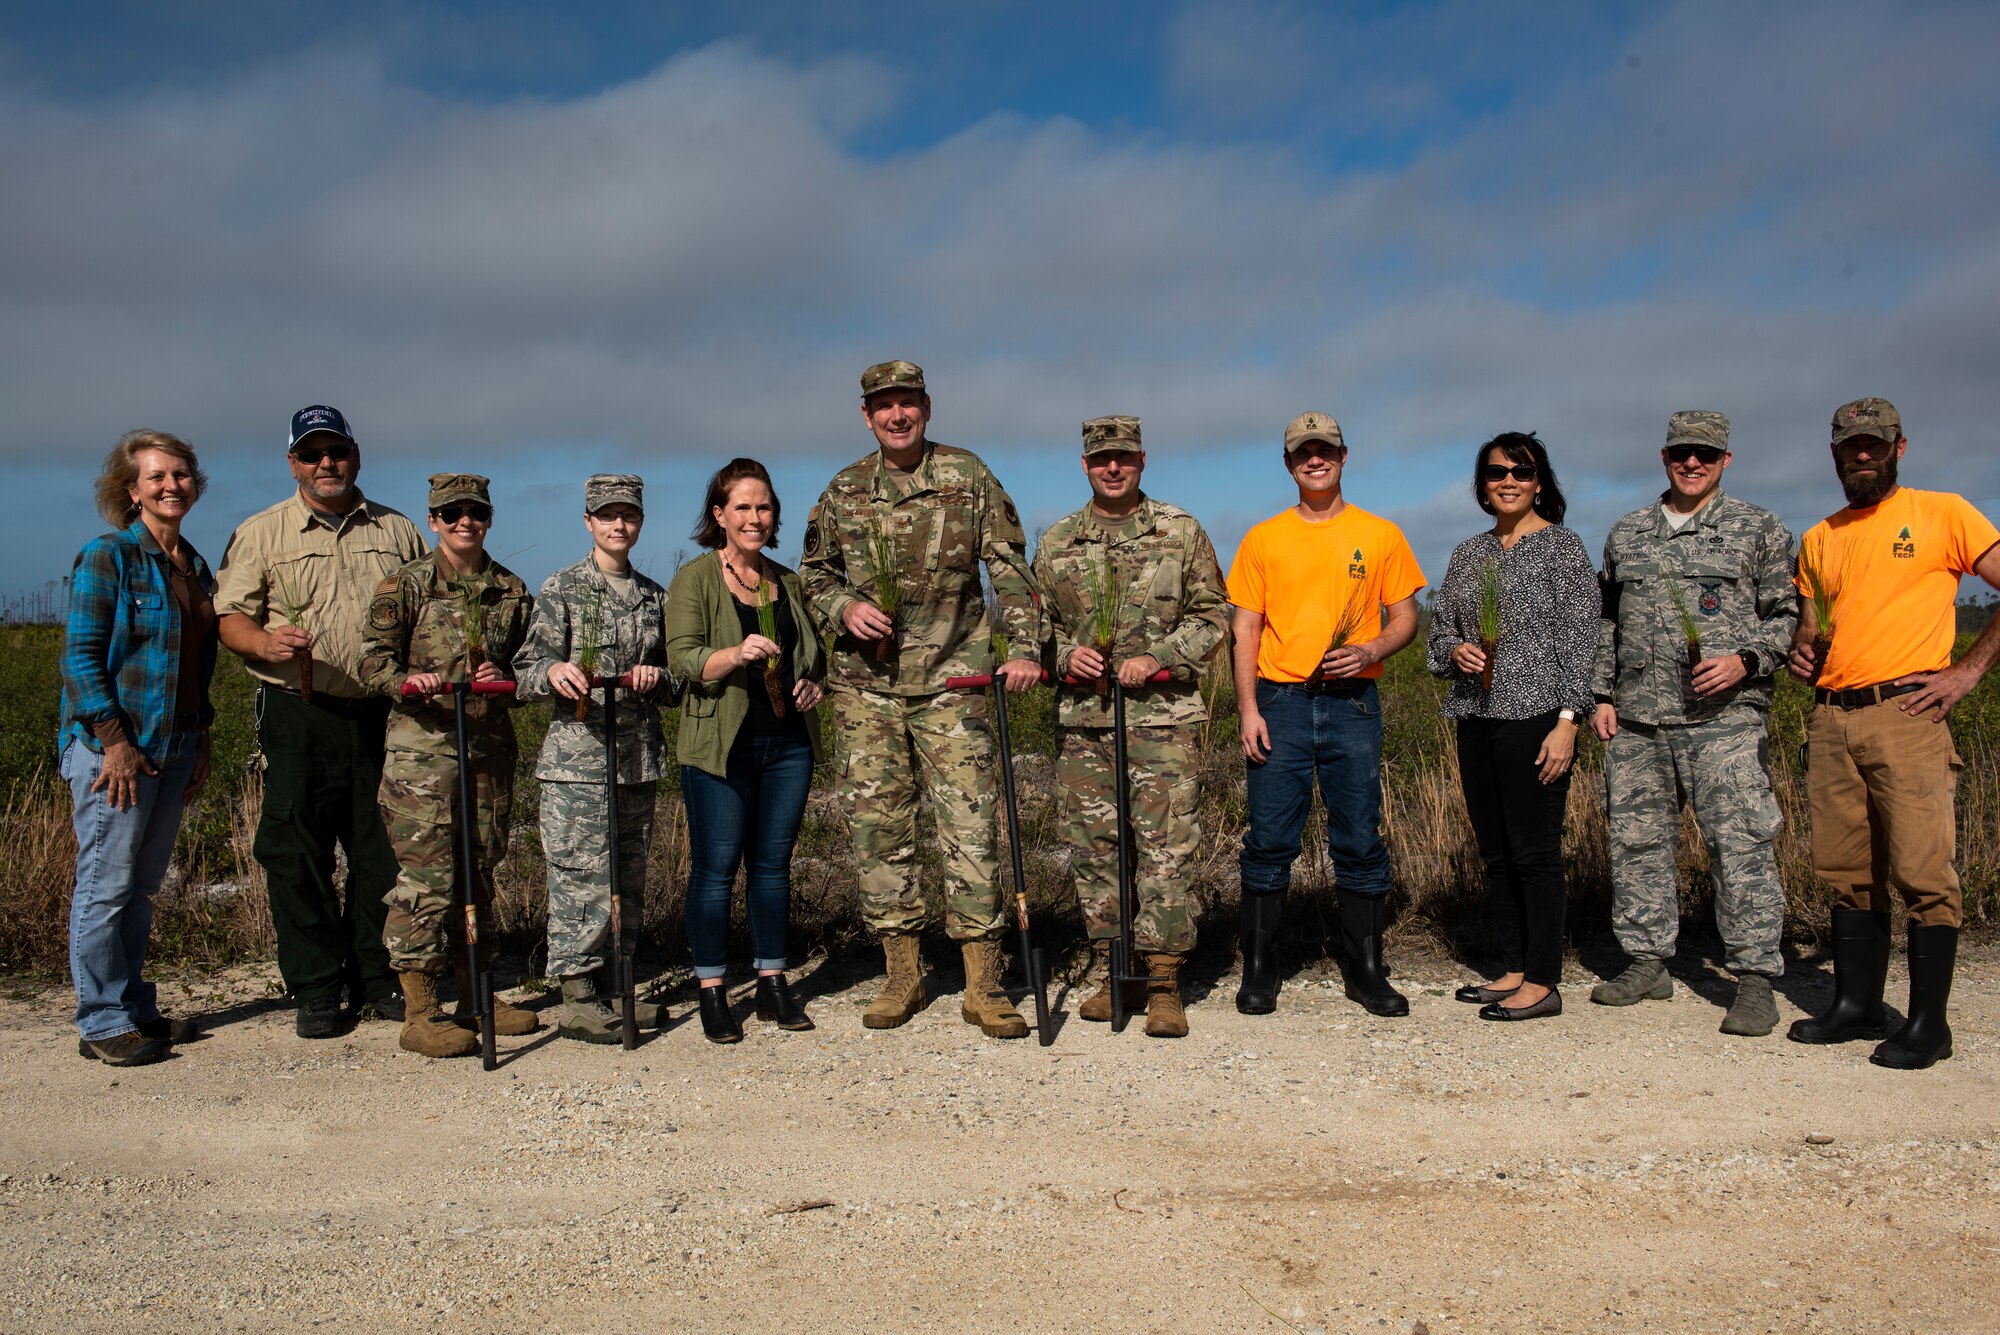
(1864, 490)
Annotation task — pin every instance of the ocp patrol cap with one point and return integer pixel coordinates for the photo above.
(892, 375)
(1108, 435)
(449, 487)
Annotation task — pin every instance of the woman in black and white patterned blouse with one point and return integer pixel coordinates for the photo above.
(1517, 738)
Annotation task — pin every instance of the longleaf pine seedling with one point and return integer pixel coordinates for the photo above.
(885, 574)
(1348, 621)
(1489, 619)
(1823, 592)
(1690, 628)
(472, 608)
(291, 601)
(589, 639)
(767, 626)
(1104, 615)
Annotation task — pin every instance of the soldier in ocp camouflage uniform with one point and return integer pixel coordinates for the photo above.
(1672, 732)
(937, 513)
(601, 602)
(1171, 611)
(418, 633)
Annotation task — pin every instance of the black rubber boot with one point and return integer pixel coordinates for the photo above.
(1361, 921)
(1258, 993)
(1925, 1038)
(1860, 964)
(718, 1021)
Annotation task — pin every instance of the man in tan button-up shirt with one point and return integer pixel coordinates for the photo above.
(292, 597)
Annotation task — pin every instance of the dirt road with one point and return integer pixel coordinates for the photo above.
(1317, 1169)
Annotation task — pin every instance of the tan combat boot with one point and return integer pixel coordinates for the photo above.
(902, 992)
(427, 1030)
(986, 1003)
(1097, 1006)
(508, 1019)
(1164, 1016)
(645, 1014)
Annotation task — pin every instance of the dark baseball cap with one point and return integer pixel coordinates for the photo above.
(319, 417)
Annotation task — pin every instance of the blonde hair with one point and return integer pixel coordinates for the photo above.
(121, 473)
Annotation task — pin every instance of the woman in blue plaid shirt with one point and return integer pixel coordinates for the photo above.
(138, 654)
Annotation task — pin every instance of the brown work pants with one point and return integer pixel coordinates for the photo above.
(1882, 786)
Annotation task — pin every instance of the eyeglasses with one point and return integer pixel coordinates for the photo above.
(1519, 472)
(340, 452)
(1703, 454)
(477, 513)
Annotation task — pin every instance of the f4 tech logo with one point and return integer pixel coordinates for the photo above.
(1357, 568)
(1903, 548)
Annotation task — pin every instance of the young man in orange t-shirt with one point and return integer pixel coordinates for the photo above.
(1310, 587)
(1882, 769)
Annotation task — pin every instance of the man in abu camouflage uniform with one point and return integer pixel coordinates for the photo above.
(452, 615)
(604, 606)
(909, 526)
(1702, 558)
(1169, 609)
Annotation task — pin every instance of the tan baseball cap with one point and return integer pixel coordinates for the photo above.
(1868, 417)
(1107, 435)
(1312, 426)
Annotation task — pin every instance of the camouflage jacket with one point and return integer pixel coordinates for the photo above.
(1170, 600)
(416, 623)
(629, 631)
(1732, 566)
(948, 517)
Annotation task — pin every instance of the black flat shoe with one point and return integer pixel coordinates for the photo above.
(776, 1004)
(1552, 1004)
(718, 1022)
(1477, 995)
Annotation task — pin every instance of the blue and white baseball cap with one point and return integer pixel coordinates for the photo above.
(319, 417)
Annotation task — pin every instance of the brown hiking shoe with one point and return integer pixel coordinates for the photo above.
(1165, 1017)
(509, 1020)
(1097, 1006)
(427, 1030)
(130, 1048)
(902, 993)
(986, 1003)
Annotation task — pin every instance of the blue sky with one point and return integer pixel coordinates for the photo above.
(538, 242)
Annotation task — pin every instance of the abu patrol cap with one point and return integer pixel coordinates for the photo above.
(1698, 426)
(602, 489)
(1109, 435)
(892, 375)
(449, 487)
(1868, 417)
(1312, 426)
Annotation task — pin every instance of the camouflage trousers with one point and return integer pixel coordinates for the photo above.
(1161, 791)
(1720, 769)
(890, 745)
(419, 802)
(577, 846)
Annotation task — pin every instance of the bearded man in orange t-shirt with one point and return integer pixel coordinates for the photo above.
(1882, 766)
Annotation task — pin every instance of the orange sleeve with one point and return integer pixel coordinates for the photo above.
(1972, 533)
(1246, 575)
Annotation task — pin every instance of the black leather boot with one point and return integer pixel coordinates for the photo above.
(776, 1005)
(1361, 921)
(1925, 1038)
(718, 1022)
(1860, 964)
(1258, 993)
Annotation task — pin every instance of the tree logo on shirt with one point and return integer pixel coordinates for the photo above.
(1903, 547)
(1357, 568)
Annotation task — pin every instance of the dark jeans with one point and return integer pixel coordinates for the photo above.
(1518, 821)
(1338, 739)
(323, 766)
(750, 819)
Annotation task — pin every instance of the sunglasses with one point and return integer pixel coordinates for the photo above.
(1704, 454)
(1500, 472)
(477, 513)
(340, 452)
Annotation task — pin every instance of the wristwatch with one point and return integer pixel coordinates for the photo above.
(1566, 714)
(1750, 664)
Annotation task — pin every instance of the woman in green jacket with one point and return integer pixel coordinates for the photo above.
(739, 635)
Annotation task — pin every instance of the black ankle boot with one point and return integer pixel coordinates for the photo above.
(1860, 964)
(718, 1022)
(1261, 915)
(1361, 921)
(775, 1004)
(1925, 1038)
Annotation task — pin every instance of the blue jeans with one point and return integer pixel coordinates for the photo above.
(1339, 739)
(121, 858)
(750, 819)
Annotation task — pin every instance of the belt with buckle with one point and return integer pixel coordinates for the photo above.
(1345, 688)
(345, 706)
(1860, 697)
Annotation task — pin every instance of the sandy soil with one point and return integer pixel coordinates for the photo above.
(1316, 1170)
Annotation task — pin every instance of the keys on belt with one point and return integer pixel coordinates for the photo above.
(1860, 697)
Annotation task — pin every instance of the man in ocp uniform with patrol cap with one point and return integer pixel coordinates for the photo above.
(906, 529)
(1169, 609)
(1702, 559)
